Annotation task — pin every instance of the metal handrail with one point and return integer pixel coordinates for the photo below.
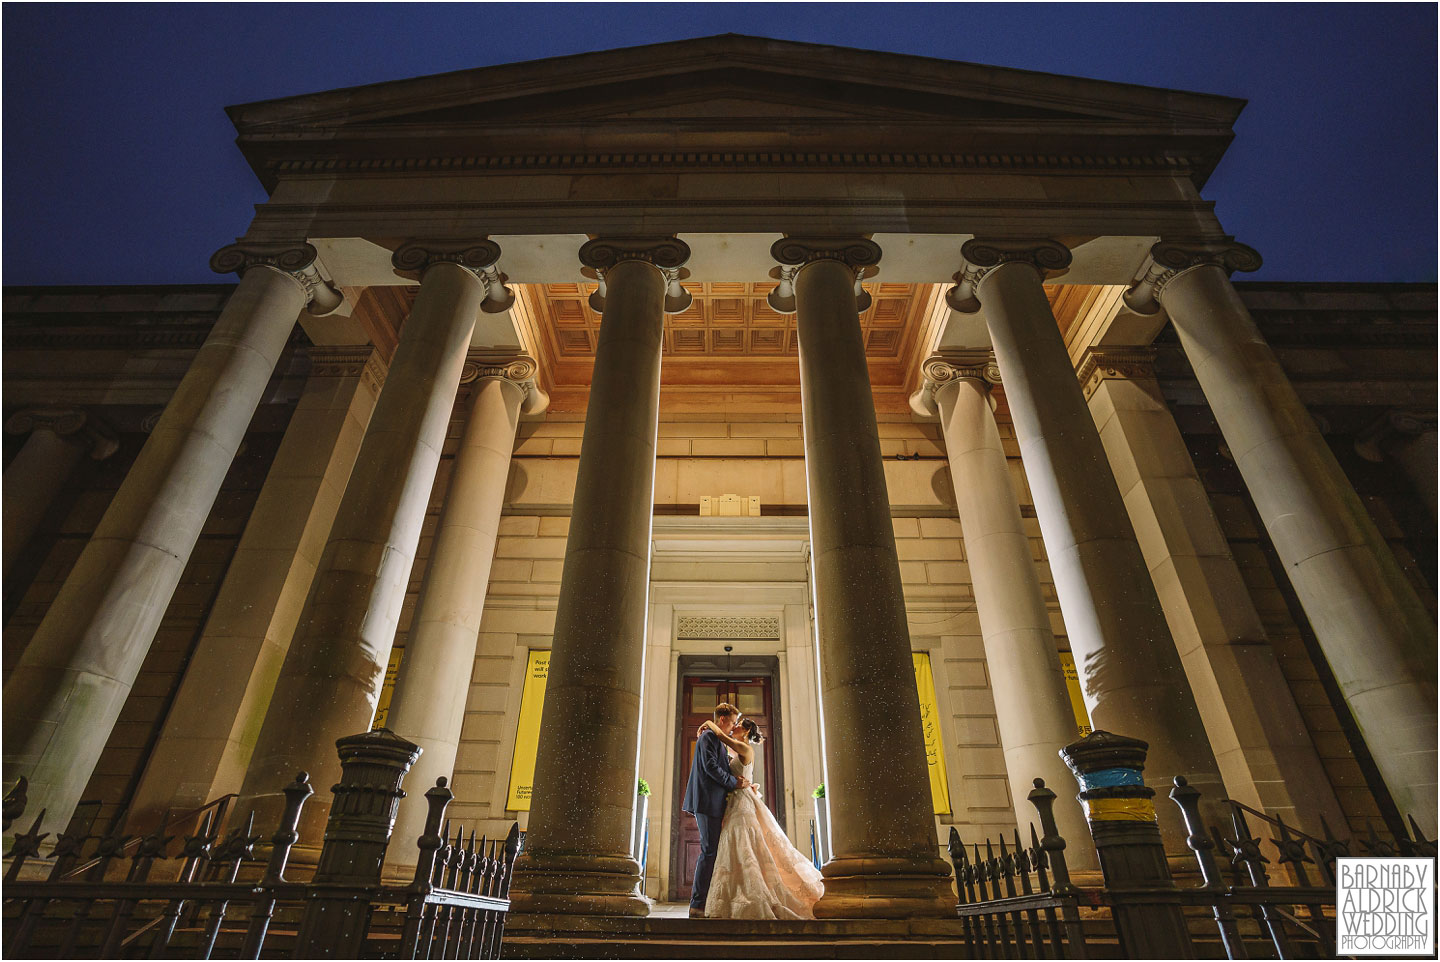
(1278, 823)
(221, 802)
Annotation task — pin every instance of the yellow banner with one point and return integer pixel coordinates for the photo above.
(527, 736)
(387, 689)
(1077, 700)
(930, 723)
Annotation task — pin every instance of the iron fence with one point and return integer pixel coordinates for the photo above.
(224, 901)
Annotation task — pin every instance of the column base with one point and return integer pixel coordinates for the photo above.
(578, 885)
(886, 888)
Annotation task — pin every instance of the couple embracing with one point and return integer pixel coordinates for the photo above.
(747, 869)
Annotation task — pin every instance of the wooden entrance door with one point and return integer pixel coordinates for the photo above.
(698, 697)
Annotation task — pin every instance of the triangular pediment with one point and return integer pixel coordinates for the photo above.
(734, 76)
(731, 93)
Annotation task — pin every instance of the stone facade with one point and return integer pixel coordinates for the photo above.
(510, 395)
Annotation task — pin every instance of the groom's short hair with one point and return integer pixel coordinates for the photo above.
(725, 710)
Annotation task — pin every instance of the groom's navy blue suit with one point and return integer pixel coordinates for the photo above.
(710, 779)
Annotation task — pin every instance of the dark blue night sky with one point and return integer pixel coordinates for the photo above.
(119, 163)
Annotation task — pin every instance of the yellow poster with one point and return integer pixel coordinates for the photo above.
(930, 723)
(1077, 700)
(387, 689)
(527, 736)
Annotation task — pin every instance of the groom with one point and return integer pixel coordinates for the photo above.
(710, 779)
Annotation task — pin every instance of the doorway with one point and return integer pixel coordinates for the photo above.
(704, 683)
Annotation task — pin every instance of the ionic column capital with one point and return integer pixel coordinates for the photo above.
(1370, 443)
(942, 369)
(1126, 363)
(860, 254)
(71, 423)
(480, 257)
(296, 261)
(668, 255)
(983, 255)
(1169, 259)
(519, 369)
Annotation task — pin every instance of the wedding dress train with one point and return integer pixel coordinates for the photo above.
(758, 873)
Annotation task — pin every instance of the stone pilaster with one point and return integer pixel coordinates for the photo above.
(331, 678)
(1032, 703)
(65, 693)
(1375, 631)
(1255, 728)
(1130, 673)
(56, 441)
(210, 729)
(577, 857)
(885, 861)
(428, 705)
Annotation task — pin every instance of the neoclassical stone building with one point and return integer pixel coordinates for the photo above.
(870, 391)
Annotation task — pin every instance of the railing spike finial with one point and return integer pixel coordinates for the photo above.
(25, 846)
(13, 805)
(1423, 847)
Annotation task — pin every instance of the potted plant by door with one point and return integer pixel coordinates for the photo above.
(642, 814)
(822, 822)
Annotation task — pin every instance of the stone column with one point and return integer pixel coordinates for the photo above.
(1370, 622)
(210, 730)
(58, 439)
(428, 705)
(1130, 673)
(331, 678)
(1407, 438)
(1032, 703)
(1255, 728)
(886, 860)
(67, 689)
(577, 852)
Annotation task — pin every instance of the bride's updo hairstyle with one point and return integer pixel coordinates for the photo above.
(752, 732)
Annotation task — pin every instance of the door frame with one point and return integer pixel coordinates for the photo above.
(691, 666)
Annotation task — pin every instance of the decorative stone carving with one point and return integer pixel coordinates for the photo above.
(939, 370)
(361, 362)
(1168, 259)
(722, 627)
(1102, 363)
(858, 253)
(297, 261)
(1390, 427)
(667, 254)
(481, 258)
(984, 255)
(67, 423)
(519, 369)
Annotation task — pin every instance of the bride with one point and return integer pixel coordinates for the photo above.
(758, 873)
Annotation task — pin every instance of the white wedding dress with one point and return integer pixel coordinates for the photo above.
(758, 873)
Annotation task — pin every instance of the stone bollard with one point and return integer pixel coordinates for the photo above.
(1120, 810)
(362, 815)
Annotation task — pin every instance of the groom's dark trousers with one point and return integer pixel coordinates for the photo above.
(710, 779)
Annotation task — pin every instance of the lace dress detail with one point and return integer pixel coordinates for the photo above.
(758, 873)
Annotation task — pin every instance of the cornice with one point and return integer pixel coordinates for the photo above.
(1125, 363)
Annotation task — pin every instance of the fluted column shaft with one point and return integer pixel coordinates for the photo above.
(577, 851)
(428, 706)
(331, 678)
(1131, 675)
(68, 688)
(885, 861)
(1368, 618)
(1032, 703)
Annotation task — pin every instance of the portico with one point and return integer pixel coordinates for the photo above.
(892, 320)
